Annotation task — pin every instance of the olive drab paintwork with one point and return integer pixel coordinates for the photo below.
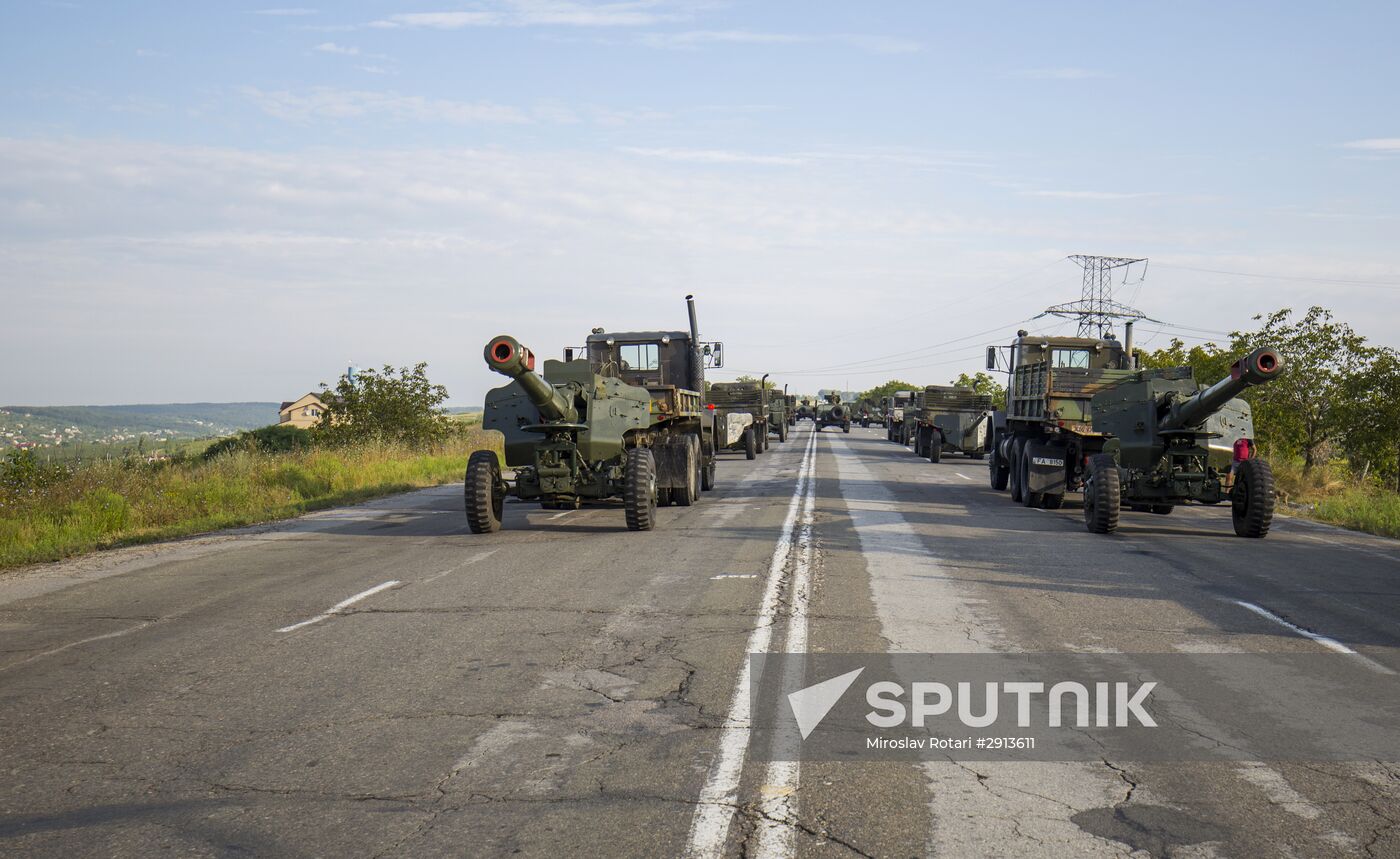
(740, 399)
(627, 420)
(948, 418)
(833, 413)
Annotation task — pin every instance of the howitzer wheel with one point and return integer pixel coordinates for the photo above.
(750, 444)
(1103, 495)
(782, 432)
(1252, 499)
(935, 446)
(639, 489)
(846, 427)
(485, 503)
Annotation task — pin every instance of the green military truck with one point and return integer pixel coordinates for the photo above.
(949, 419)
(729, 400)
(1080, 416)
(625, 421)
(893, 407)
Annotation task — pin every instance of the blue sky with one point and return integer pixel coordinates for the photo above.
(221, 201)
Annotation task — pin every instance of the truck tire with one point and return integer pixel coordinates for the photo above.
(1103, 495)
(846, 427)
(1013, 467)
(707, 476)
(1052, 501)
(639, 489)
(750, 444)
(684, 496)
(485, 505)
(919, 441)
(1252, 499)
(1028, 498)
(997, 471)
(934, 447)
(1162, 509)
(975, 454)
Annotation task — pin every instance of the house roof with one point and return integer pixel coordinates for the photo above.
(307, 398)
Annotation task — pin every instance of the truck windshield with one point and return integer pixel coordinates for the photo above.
(1071, 358)
(640, 356)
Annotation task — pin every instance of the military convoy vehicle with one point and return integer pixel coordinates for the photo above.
(626, 421)
(790, 408)
(750, 400)
(806, 411)
(1081, 417)
(949, 419)
(833, 413)
(893, 406)
(778, 416)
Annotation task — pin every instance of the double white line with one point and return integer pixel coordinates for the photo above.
(719, 798)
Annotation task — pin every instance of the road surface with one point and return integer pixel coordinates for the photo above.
(377, 681)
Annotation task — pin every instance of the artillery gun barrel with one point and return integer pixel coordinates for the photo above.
(1257, 368)
(506, 356)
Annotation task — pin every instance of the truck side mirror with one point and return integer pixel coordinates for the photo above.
(991, 357)
(717, 355)
(568, 355)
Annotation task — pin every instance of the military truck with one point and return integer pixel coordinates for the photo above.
(790, 401)
(833, 413)
(778, 415)
(625, 421)
(749, 399)
(893, 406)
(806, 411)
(950, 419)
(1080, 417)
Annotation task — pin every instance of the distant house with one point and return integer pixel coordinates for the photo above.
(303, 413)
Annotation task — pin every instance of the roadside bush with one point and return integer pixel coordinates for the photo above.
(279, 438)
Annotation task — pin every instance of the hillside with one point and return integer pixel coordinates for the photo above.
(50, 425)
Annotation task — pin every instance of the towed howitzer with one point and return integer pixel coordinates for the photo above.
(580, 430)
(1157, 428)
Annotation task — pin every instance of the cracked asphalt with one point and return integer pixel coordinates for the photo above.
(560, 688)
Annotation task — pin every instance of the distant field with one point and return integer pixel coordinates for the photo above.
(48, 425)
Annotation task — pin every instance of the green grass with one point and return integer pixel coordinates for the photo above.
(1330, 494)
(107, 504)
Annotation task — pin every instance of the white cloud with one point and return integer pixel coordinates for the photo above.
(333, 48)
(1059, 74)
(715, 156)
(695, 38)
(331, 103)
(525, 13)
(1375, 144)
(1091, 195)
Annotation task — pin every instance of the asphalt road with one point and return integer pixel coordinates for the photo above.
(378, 681)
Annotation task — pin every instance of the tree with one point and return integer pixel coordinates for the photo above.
(1371, 416)
(983, 383)
(887, 389)
(390, 405)
(1208, 362)
(1303, 409)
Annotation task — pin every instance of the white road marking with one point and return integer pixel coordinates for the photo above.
(963, 476)
(561, 515)
(468, 562)
(780, 781)
(719, 797)
(342, 605)
(1329, 643)
(119, 633)
(735, 576)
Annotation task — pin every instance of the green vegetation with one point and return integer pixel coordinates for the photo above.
(47, 424)
(54, 510)
(391, 405)
(888, 389)
(983, 383)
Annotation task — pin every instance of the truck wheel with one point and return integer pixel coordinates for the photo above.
(920, 440)
(782, 432)
(934, 446)
(1252, 499)
(846, 427)
(1052, 501)
(684, 496)
(1028, 498)
(707, 476)
(1014, 469)
(976, 454)
(1103, 495)
(1162, 509)
(663, 496)
(997, 470)
(485, 504)
(750, 444)
(639, 489)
